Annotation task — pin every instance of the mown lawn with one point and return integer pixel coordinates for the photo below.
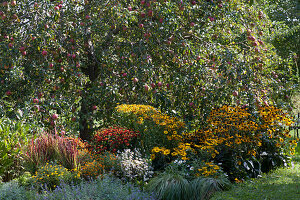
(280, 184)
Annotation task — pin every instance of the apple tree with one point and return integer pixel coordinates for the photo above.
(73, 61)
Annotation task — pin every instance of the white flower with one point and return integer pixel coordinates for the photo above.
(134, 166)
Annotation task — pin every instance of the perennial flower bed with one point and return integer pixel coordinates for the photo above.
(149, 148)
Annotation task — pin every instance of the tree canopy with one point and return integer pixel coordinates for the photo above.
(67, 63)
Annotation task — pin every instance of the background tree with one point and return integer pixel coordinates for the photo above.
(285, 16)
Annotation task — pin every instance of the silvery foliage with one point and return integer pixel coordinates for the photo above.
(133, 166)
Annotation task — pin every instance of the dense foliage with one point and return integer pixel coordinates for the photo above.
(67, 64)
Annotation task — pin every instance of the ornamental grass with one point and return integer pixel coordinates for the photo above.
(48, 147)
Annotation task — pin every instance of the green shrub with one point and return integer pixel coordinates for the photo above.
(24, 179)
(13, 135)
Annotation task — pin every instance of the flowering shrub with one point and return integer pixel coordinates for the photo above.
(133, 166)
(51, 175)
(155, 127)
(113, 139)
(91, 169)
(146, 112)
(97, 164)
(241, 143)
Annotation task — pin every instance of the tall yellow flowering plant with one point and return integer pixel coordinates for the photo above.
(156, 128)
(242, 143)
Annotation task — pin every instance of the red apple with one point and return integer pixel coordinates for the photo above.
(235, 93)
(94, 107)
(44, 53)
(252, 38)
(73, 119)
(159, 84)
(13, 3)
(8, 93)
(146, 88)
(14, 16)
(22, 49)
(141, 25)
(194, 2)
(35, 100)
(10, 45)
(135, 80)
(192, 24)
(40, 95)
(54, 116)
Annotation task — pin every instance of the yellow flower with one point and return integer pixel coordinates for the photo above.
(152, 157)
(174, 153)
(156, 149)
(166, 152)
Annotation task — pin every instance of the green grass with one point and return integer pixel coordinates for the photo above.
(280, 184)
